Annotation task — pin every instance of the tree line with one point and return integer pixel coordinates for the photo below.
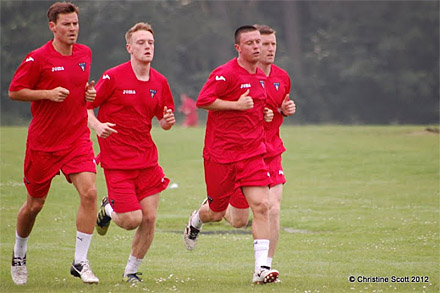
(351, 62)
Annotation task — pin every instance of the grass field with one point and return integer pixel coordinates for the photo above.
(360, 201)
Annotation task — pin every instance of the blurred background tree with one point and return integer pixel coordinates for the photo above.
(351, 62)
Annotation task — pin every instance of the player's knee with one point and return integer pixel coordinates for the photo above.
(35, 206)
(90, 195)
(239, 222)
(132, 223)
(149, 219)
(217, 217)
(261, 207)
(274, 210)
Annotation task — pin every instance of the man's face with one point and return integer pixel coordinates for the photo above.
(66, 28)
(141, 46)
(268, 48)
(249, 46)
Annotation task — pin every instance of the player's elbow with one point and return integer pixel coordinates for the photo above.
(204, 107)
(199, 105)
(207, 107)
(13, 95)
(203, 104)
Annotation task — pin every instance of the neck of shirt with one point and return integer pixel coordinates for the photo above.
(142, 71)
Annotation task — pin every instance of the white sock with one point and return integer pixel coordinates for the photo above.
(269, 261)
(261, 249)
(132, 265)
(108, 210)
(196, 222)
(20, 247)
(82, 246)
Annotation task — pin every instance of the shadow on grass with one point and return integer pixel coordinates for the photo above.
(238, 231)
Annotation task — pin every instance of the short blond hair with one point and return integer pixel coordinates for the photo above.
(140, 26)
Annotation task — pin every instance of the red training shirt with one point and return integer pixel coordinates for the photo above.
(131, 104)
(277, 87)
(231, 135)
(56, 125)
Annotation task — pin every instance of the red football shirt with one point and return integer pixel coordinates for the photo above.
(131, 104)
(56, 126)
(277, 87)
(233, 136)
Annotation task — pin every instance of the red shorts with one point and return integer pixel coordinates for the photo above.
(224, 181)
(275, 170)
(40, 167)
(239, 201)
(126, 188)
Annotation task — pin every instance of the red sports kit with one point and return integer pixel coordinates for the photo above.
(57, 128)
(233, 136)
(129, 157)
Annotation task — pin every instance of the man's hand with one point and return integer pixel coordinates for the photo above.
(90, 94)
(168, 119)
(245, 102)
(58, 94)
(268, 114)
(288, 106)
(104, 130)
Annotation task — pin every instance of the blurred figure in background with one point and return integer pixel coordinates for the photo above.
(189, 109)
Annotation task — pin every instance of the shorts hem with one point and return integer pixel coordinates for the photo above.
(277, 183)
(158, 189)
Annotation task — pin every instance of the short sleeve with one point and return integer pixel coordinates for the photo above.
(104, 89)
(215, 87)
(27, 74)
(166, 99)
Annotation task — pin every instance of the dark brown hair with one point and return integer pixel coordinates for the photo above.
(243, 29)
(61, 8)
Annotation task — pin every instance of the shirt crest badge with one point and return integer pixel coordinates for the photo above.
(276, 85)
(82, 65)
(262, 83)
(152, 93)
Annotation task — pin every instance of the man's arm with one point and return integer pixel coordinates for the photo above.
(58, 94)
(245, 102)
(103, 130)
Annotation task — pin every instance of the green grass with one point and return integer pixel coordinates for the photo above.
(359, 201)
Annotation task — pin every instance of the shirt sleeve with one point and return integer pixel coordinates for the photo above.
(104, 89)
(214, 88)
(27, 74)
(288, 85)
(166, 99)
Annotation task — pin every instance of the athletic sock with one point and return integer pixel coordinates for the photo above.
(269, 261)
(20, 247)
(82, 246)
(108, 210)
(132, 265)
(261, 249)
(196, 222)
